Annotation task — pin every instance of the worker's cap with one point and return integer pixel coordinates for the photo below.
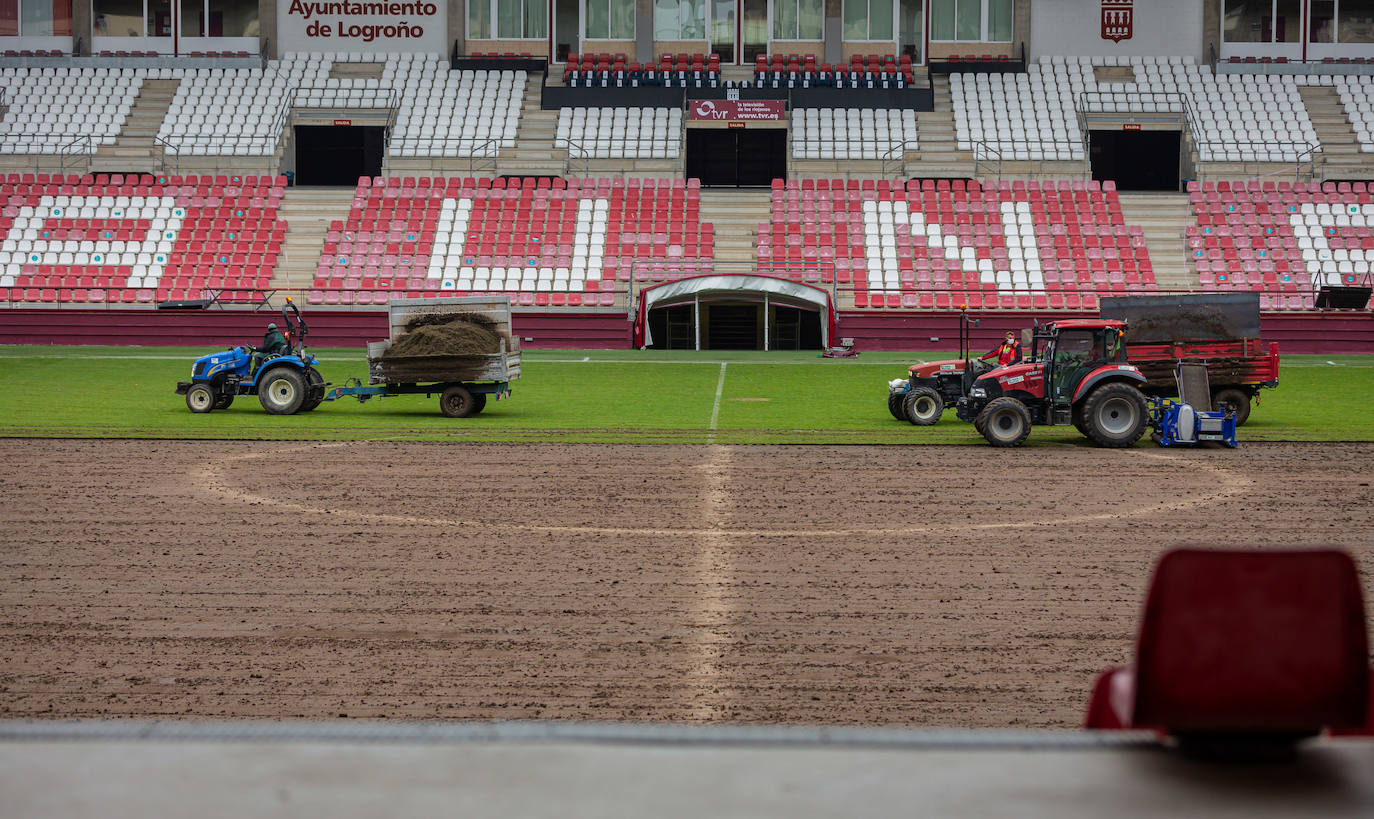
(272, 326)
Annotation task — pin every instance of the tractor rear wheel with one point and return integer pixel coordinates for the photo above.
(923, 406)
(200, 398)
(314, 389)
(1114, 415)
(281, 391)
(457, 402)
(1233, 401)
(894, 404)
(1004, 422)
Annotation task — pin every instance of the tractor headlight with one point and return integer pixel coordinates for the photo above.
(977, 392)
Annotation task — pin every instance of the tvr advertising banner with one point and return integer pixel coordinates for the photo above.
(313, 25)
(736, 110)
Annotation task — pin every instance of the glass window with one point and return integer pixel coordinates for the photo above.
(159, 22)
(800, 19)
(598, 20)
(999, 21)
(1356, 21)
(1288, 21)
(913, 18)
(1322, 27)
(971, 20)
(1242, 20)
(868, 19)
(811, 19)
(942, 20)
(521, 19)
(622, 19)
(611, 20)
(36, 18)
(968, 20)
(880, 20)
(117, 18)
(680, 19)
(785, 20)
(479, 20)
(192, 18)
(856, 19)
(232, 18)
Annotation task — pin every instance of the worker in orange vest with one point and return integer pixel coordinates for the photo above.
(1008, 352)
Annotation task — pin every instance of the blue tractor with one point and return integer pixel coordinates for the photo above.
(284, 384)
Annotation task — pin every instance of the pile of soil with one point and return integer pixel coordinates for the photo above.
(1187, 323)
(450, 334)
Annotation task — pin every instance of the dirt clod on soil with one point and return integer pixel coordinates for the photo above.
(451, 334)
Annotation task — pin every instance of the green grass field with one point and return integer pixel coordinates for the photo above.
(595, 396)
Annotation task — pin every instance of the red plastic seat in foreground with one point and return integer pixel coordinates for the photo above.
(1244, 643)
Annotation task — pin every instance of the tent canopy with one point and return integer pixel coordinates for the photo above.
(779, 291)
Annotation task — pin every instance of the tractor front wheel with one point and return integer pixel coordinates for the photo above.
(1004, 422)
(923, 406)
(224, 401)
(894, 404)
(457, 402)
(200, 398)
(281, 391)
(1233, 401)
(1115, 415)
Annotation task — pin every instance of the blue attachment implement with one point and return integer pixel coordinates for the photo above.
(1178, 424)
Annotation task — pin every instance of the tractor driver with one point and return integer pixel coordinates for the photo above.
(1008, 352)
(273, 343)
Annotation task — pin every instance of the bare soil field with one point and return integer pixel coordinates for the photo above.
(923, 586)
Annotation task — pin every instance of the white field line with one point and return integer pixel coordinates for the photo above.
(715, 407)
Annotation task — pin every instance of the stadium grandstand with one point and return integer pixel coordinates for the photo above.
(903, 155)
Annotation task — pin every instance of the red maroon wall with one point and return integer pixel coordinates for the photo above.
(337, 328)
(1326, 333)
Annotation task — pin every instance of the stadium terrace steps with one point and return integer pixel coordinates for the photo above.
(1341, 157)
(307, 212)
(533, 153)
(133, 148)
(735, 213)
(1163, 217)
(940, 155)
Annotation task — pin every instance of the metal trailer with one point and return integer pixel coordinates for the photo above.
(463, 382)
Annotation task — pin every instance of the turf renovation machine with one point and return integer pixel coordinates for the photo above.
(284, 384)
(1184, 423)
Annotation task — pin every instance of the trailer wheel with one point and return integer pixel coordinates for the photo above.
(281, 391)
(894, 405)
(1004, 422)
(314, 389)
(1233, 401)
(479, 402)
(1115, 415)
(457, 402)
(200, 398)
(923, 406)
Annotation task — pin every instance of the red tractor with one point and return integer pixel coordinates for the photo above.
(1077, 373)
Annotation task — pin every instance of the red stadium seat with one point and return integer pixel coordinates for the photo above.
(1244, 643)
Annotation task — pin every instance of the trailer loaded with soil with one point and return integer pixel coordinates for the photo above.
(1219, 330)
(461, 349)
